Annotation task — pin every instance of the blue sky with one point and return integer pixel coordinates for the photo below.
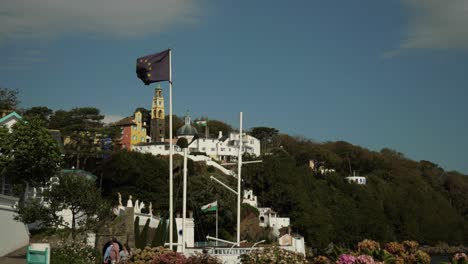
(373, 73)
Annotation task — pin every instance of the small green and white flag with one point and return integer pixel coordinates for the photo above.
(211, 207)
(201, 122)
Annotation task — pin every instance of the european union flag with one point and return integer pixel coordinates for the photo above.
(154, 67)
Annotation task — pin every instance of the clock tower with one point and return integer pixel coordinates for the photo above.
(157, 116)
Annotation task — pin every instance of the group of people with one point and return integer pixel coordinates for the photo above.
(115, 254)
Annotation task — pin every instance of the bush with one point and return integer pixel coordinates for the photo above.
(73, 253)
(169, 258)
(147, 254)
(459, 258)
(272, 255)
(200, 258)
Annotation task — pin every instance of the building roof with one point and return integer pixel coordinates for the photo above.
(128, 121)
(12, 115)
(187, 130)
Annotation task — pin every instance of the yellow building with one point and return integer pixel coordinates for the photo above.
(133, 130)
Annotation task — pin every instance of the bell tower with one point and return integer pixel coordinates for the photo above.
(157, 116)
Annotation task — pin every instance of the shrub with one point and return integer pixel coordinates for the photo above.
(169, 258)
(410, 246)
(368, 246)
(321, 260)
(200, 258)
(147, 254)
(269, 255)
(395, 248)
(459, 258)
(73, 253)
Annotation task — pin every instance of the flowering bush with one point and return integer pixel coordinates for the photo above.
(368, 246)
(321, 260)
(147, 254)
(459, 258)
(269, 255)
(410, 246)
(346, 259)
(169, 258)
(395, 248)
(422, 257)
(199, 258)
(364, 259)
(71, 252)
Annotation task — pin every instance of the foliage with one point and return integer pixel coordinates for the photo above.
(43, 113)
(146, 255)
(77, 119)
(32, 154)
(269, 255)
(8, 99)
(160, 234)
(169, 258)
(74, 193)
(215, 126)
(398, 202)
(141, 238)
(73, 253)
(459, 258)
(369, 252)
(266, 136)
(321, 260)
(200, 258)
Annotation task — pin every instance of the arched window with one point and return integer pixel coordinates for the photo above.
(262, 219)
(160, 114)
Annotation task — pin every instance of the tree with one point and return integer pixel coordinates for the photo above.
(264, 134)
(8, 99)
(215, 126)
(33, 155)
(77, 119)
(71, 192)
(177, 122)
(42, 112)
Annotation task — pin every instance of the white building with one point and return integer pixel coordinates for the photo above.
(357, 179)
(293, 242)
(223, 148)
(9, 120)
(250, 198)
(267, 217)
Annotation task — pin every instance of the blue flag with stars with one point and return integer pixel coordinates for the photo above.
(154, 67)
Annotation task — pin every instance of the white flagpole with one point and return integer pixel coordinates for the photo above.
(217, 205)
(171, 153)
(239, 165)
(184, 206)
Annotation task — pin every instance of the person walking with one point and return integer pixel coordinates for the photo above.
(115, 251)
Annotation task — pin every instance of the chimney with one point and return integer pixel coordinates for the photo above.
(220, 135)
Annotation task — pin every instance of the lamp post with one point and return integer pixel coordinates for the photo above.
(185, 133)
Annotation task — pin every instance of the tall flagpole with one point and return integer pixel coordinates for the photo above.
(184, 207)
(239, 165)
(171, 153)
(217, 205)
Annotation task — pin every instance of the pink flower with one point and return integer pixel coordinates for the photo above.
(346, 259)
(364, 259)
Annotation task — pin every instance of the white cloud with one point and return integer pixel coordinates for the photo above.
(118, 18)
(112, 118)
(435, 24)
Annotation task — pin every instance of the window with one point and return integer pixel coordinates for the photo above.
(222, 149)
(203, 148)
(134, 137)
(212, 149)
(142, 139)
